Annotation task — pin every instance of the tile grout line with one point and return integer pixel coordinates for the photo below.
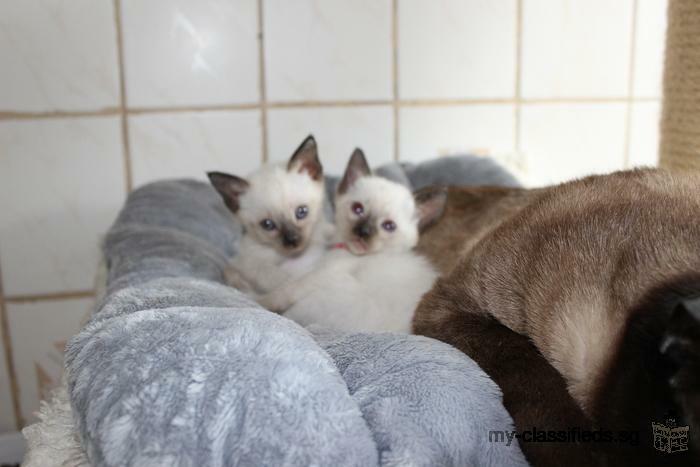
(15, 116)
(262, 85)
(9, 359)
(192, 108)
(126, 145)
(53, 296)
(395, 75)
(518, 72)
(630, 86)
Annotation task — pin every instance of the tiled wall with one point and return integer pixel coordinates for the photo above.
(100, 96)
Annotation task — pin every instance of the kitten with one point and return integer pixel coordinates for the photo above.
(281, 211)
(373, 280)
(596, 273)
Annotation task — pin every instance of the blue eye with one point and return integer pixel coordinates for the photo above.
(389, 226)
(301, 212)
(267, 224)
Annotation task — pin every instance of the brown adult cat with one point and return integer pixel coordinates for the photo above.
(592, 271)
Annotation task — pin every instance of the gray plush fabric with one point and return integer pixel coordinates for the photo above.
(425, 403)
(176, 369)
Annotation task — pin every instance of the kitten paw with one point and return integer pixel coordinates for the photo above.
(235, 279)
(270, 302)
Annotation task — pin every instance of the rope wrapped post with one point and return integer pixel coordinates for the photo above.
(680, 122)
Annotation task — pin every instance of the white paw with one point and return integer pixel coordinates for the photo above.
(235, 279)
(270, 302)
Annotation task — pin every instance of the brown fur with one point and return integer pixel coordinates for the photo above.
(569, 267)
(507, 357)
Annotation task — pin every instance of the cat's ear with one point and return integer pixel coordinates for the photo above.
(357, 167)
(229, 187)
(430, 205)
(305, 159)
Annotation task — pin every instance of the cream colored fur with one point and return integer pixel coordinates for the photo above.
(376, 283)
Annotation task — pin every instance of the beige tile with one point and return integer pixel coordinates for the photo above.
(456, 48)
(428, 132)
(180, 53)
(7, 412)
(644, 134)
(188, 145)
(573, 48)
(39, 333)
(564, 141)
(649, 47)
(337, 130)
(61, 185)
(58, 55)
(328, 50)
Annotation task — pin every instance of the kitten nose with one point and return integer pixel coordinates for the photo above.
(290, 239)
(363, 230)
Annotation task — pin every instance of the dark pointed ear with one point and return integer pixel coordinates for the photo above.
(357, 167)
(430, 205)
(229, 187)
(305, 159)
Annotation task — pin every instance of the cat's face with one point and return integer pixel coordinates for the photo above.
(373, 214)
(279, 207)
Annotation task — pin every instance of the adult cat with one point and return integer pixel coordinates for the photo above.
(594, 272)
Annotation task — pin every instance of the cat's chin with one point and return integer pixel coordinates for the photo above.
(358, 247)
(293, 253)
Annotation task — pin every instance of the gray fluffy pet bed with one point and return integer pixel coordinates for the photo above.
(176, 369)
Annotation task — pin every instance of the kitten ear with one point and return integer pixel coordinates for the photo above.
(430, 205)
(305, 159)
(229, 187)
(357, 167)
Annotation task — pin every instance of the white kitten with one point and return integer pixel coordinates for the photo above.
(281, 210)
(374, 281)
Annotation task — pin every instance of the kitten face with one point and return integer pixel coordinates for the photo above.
(374, 214)
(279, 207)
(377, 215)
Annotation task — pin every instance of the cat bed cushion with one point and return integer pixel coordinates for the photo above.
(175, 368)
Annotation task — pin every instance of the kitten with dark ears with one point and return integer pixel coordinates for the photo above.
(373, 280)
(281, 211)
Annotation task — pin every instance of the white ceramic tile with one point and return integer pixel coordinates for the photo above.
(457, 49)
(564, 141)
(337, 130)
(61, 184)
(7, 417)
(39, 332)
(58, 55)
(190, 144)
(328, 50)
(180, 53)
(574, 48)
(644, 134)
(428, 132)
(649, 47)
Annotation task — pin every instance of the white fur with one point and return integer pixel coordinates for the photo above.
(53, 440)
(383, 200)
(261, 263)
(377, 292)
(378, 287)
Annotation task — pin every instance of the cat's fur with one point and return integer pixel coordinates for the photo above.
(268, 257)
(534, 393)
(375, 280)
(591, 271)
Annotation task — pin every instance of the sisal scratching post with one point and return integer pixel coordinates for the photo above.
(680, 122)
